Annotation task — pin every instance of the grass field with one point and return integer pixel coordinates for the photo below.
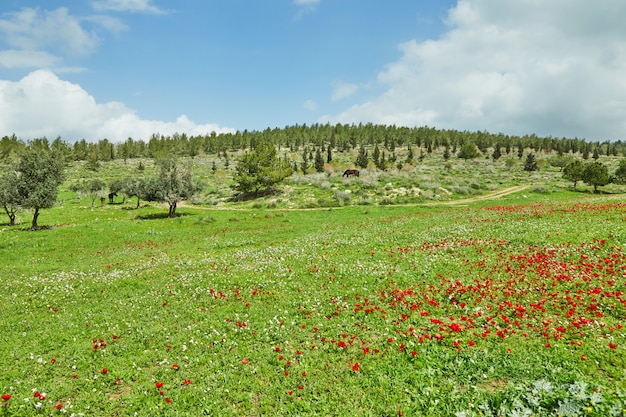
(506, 307)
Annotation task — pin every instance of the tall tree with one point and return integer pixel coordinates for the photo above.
(39, 174)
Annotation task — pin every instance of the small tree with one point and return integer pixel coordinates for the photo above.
(8, 195)
(174, 184)
(319, 161)
(39, 174)
(468, 151)
(574, 171)
(620, 174)
(596, 174)
(95, 189)
(531, 163)
(362, 159)
(260, 169)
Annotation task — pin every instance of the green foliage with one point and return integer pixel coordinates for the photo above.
(174, 184)
(531, 163)
(260, 169)
(620, 174)
(39, 174)
(362, 159)
(8, 194)
(596, 174)
(468, 151)
(574, 171)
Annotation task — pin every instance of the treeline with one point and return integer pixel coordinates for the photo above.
(339, 137)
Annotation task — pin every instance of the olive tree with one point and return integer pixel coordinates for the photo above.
(38, 176)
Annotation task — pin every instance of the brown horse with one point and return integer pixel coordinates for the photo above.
(349, 172)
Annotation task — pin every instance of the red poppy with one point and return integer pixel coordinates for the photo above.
(167, 400)
(105, 371)
(244, 361)
(158, 384)
(175, 367)
(356, 366)
(612, 345)
(59, 406)
(6, 397)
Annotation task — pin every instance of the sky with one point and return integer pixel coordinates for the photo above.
(95, 69)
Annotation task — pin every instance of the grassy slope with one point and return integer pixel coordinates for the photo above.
(215, 288)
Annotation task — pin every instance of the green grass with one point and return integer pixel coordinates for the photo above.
(507, 307)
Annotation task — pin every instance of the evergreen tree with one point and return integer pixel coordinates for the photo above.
(329, 155)
(620, 174)
(574, 171)
(496, 153)
(260, 169)
(319, 161)
(468, 151)
(362, 160)
(531, 162)
(596, 174)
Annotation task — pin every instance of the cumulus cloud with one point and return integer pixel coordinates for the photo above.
(33, 30)
(41, 104)
(551, 68)
(35, 38)
(136, 6)
(343, 90)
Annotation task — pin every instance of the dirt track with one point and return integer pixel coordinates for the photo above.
(491, 196)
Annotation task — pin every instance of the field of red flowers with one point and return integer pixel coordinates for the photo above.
(495, 310)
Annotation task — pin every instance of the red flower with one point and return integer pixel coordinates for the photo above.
(303, 373)
(59, 406)
(167, 400)
(244, 361)
(105, 371)
(6, 397)
(277, 349)
(158, 384)
(175, 367)
(583, 358)
(300, 387)
(356, 366)
(612, 345)
(471, 342)
(187, 382)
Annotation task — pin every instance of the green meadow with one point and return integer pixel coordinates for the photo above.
(395, 293)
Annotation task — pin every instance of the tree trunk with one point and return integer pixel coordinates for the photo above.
(11, 215)
(172, 210)
(34, 225)
(137, 202)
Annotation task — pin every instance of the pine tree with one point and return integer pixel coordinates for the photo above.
(531, 163)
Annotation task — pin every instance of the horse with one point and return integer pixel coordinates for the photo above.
(349, 172)
(111, 196)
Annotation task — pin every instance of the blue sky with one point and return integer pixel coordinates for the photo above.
(129, 68)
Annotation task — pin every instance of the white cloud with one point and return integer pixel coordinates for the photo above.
(136, 6)
(306, 6)
(42, 38)
(41, 104)
(551, 68)
(35, 30)
(310, 105)
(343, 90)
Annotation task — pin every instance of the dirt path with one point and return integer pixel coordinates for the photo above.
(492, 196)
